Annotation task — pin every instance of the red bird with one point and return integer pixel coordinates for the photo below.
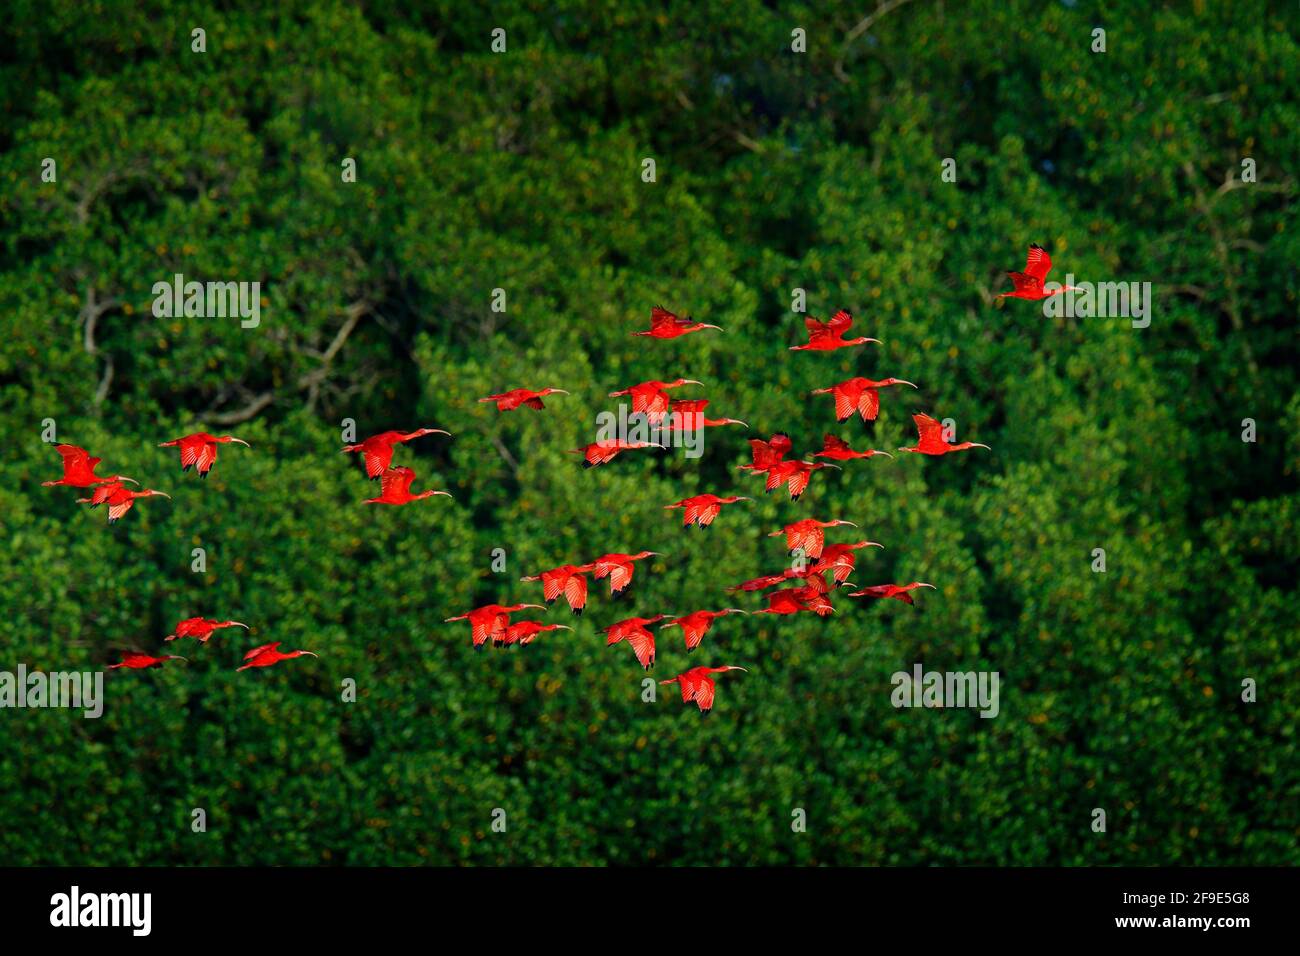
(266, 655)
(825, 336)
(930, 438)
(119, 498)
(652, 397)
(137, 661)
(1029, 284)
(839, 449)
(689, 414)
(665, 325)
(79, 469)
(525, 632)
(899, 591)
(794, 474)
(378, 449)
(509, 401)
(633, 630)
(794, 600)
(395, 488)
(201, 628)
(702, 509)
(199, 450)
(840, 560)
(490, 620)
(600, 452)
(807, 535)
(618, 568)
(767, 453)
(567, 579)
(697, 685)
(859, 395)
(696, 624)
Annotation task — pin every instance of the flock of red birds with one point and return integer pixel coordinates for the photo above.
(805, 537)
(806, 588)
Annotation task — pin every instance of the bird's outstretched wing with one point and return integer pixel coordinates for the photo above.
(928, 429)
(840, 322)
(832, 443)
(261, 650)
(1038, 264)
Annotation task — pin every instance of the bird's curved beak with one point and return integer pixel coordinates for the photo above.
(439, 431)
(705, 325)
(310, 654)
(125, 478)
(691, 381)
(829, 465)
(447, 493)
(874, 544)
(976, 444)
(737, 421)
(656, 554)
(177, 657)
(877, 341)
(745, 498)
(163, 494)
(850, 523)
(542, 606)
(886, 454)
(735, 610)
(736, 667)
(240, 624)
(563, 627)
(240, 441)
(902, 382)
(559, 391)
(924, 585)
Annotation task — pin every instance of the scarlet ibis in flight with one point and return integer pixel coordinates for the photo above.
(633, 630)
(600, 452)
(839, 559)
(119, 498)
(525, 632)
(201, 628)
(267, 654)
(807, 535)
(395, 488)
(767, 453)
(793, 474)
(618, 568)
(79, 469)
(838, 449)
(136, 661)
(199, 451)
(700, 510)
(377, 450)
(567, 579)
(899, 591)
(794, 600)
(698, 686)
(1030, 283)
(509, 401)
(665, 325)
(490, 620)
(859, 395)
(825, 336)
(689, 414)
(930, 438)
(652, 397)
(696, 624)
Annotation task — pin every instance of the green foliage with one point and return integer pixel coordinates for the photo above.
(776, 171)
